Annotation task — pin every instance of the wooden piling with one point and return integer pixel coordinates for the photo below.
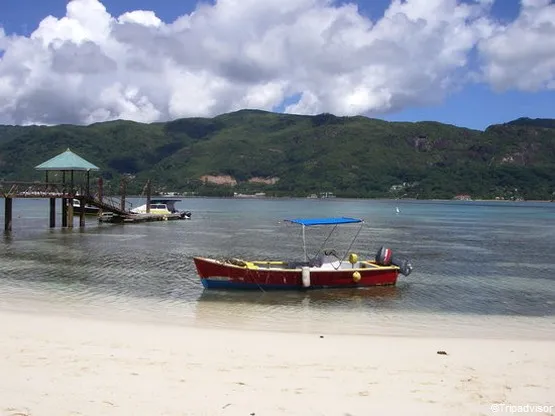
(70, 213)
(81, 212)
(148, 197)
(64, 212)
(123, 188)
(8, 214)
(100, 192)
(52, 212)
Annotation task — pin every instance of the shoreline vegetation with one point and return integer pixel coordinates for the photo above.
(74, 365)
(264, 196)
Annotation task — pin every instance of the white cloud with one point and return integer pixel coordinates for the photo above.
(141, 17)
(522, 54)
(90, 66)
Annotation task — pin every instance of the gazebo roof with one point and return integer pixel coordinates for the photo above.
(67, 161)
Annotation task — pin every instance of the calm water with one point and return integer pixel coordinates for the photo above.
(473, 262)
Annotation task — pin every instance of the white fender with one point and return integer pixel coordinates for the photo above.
(306, 276)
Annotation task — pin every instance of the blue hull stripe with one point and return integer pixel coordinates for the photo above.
(222, 284)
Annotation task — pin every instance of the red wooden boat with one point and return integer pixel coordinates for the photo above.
(325, 270)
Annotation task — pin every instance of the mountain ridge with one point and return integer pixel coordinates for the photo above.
(348, 156)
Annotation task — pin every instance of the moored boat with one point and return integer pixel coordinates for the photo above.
(162, 207)
(89, 209)
(326, 269)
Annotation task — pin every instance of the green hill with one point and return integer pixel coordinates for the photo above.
(293, 155)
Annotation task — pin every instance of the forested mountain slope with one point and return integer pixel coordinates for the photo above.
(282, 154)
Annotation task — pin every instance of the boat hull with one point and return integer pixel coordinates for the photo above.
(89, 209)
(216, 274)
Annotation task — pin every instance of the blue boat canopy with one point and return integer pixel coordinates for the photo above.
(324, 221)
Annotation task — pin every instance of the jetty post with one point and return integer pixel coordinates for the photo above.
(81, 212)
(8, 214)
(123, 191)
(148, 191)
(64, 212)
(69, 208)
(52, 212)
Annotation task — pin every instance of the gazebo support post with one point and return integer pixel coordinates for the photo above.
(52, 212)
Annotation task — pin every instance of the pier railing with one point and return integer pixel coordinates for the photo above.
(108, 204)
(68, 192)
(34, 190)
(17, 189)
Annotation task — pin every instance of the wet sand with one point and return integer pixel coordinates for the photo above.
(59, 365)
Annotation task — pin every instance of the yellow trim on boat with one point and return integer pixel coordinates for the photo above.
(282, 265)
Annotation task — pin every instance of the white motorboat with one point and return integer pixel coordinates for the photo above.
(162, 207)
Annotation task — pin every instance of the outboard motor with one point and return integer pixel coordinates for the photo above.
(404, 265)
(385, 257)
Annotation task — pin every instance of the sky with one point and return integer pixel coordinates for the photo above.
(471, 63)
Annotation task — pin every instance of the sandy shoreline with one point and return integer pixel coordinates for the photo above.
(55, 365)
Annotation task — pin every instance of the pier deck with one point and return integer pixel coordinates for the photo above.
(113, 210)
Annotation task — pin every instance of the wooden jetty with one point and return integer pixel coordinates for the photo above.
(111, 210)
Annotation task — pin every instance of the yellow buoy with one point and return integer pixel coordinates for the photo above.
(356, 277)
(353, 258)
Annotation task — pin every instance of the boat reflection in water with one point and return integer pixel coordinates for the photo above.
(346, 297)
(339, 310)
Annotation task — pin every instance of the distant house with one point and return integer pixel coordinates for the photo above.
(462, 197)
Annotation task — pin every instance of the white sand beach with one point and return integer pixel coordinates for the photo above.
(56, 365)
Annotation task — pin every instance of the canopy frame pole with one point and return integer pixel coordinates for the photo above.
(304, 245)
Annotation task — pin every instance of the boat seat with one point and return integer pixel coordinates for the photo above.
(321, 260)
(333, 265)
(297, 264)
(317, 261)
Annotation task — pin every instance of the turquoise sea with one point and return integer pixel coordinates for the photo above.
(474, 263)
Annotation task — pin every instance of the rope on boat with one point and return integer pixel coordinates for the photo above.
(242, 263)
(260, 287)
